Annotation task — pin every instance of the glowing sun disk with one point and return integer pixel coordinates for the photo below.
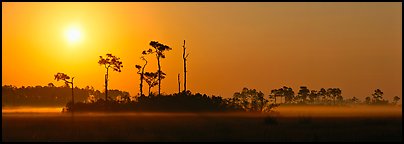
(73, 35)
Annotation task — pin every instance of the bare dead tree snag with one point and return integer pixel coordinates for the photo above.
(185, 66)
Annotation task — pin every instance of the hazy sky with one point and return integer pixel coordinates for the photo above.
(353, 46)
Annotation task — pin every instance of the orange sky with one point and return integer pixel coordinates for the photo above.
(353, 46)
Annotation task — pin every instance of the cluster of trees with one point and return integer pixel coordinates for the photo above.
(249, 100)
(329, 96)
(51, 95)
(114, 62)
(178, 102)
(151, 78)
(88, 99)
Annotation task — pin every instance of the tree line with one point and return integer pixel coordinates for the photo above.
(88, 99)
(251, 100)
(51, 95)
(246, 100)
(329, 96)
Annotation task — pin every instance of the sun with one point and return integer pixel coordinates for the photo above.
(73, 35)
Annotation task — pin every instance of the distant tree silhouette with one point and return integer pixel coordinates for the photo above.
(276, 93)
(340, 99)
(51, 85)
(65, 78)
(285, 92)
(334, 93)
(288, 93)
(108, 62)
(368, 100)
(313, 96)
(159, 51)
(323, 94)
(355, 100)
(184, 57)
(303, 93)
(377, 96)
(141, 73)
(151, 79)
(396, 99)
(91, 99)
(87, 99)
(252, 100)
(45, 96)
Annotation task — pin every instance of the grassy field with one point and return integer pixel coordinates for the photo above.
(298, 126)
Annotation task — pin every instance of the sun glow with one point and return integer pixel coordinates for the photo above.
(73, 35)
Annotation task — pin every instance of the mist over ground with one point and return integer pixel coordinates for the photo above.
(281, 111)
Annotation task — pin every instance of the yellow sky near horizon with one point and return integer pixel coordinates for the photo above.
(353, 46)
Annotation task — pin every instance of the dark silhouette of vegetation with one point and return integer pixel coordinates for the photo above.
(108, 62)
(285, 92)
(396, 99)
(151, 79)
(367, 100)
(51, 85)
(88, 99)
(184, 57)
(158, 49)
(275, 93)
(252, 100)
(323, 95)
(141, 73)
(329, 96)
(378, 97)
(178, 102)
(247, 100)
(179, 83)
(181, 102)
(303, 94)
(288, 93)
(64, 77)
(355, 100)
(335, 93)
(313, 96)
(52, 96)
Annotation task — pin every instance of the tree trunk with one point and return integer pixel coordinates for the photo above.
(72, 91)
(106, 86)
(334, 99)
(141, 78)
(72, 109)
(179, 84)
(185, 68)
(141, 84)
(159, 72)
(149, 90)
